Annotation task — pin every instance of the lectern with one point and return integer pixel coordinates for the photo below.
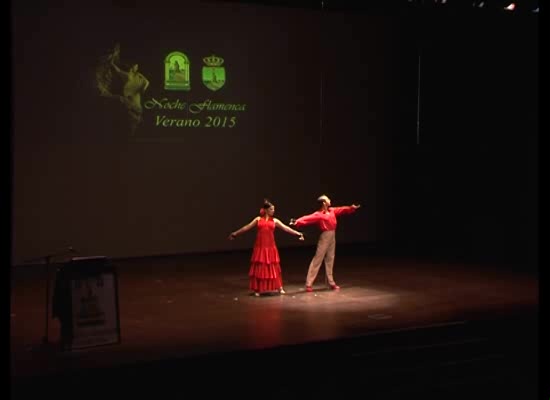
(85, 300)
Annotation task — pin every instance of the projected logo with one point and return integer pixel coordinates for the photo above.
(176, 72)
(213, 73)
(163, 108)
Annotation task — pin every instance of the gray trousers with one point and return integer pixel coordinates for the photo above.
(326, 247)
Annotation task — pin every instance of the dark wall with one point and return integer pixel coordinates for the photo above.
(332, 99)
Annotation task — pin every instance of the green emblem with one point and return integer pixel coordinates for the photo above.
(213, 74)
(176, 72)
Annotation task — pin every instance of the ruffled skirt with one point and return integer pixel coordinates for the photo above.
(265, 277)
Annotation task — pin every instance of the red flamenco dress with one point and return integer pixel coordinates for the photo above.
(265, 267)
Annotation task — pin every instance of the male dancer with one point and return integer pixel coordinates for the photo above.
(325, 217)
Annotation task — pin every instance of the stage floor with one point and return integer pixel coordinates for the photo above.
(200, 304)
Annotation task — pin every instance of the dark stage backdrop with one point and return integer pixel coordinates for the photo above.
(474, 173)
(228, 104)
(428, 119)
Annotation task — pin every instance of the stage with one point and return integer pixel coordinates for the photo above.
(453, 326)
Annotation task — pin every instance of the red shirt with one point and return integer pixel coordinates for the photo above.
(325, 219)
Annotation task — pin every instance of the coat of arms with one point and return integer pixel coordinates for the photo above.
(213, 74)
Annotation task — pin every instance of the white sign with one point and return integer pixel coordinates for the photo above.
(94, 311)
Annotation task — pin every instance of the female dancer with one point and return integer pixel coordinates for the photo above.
(265, 268)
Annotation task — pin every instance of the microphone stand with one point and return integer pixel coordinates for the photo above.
(47, 260)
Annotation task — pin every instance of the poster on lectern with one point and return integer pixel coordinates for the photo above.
(95, 317)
